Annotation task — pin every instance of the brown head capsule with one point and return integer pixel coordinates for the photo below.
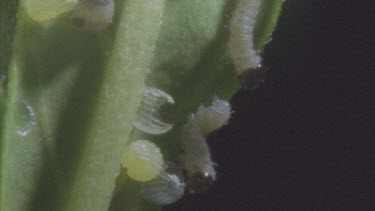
(253, 78)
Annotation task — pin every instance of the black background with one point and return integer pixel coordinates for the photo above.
(305, 141)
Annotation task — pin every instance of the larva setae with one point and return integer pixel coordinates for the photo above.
(93, 15)
(143, 160)
(246, 59)
(196, 156)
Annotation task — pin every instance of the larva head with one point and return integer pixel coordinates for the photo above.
(93, 15)
(253, 78)
(143, 160)
(199, 182)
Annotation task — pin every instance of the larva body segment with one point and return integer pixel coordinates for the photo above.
(143, 160)
(26, 125)
(43, 10)
(196, 156)
(241, 44)
(148, 119)
(246, 59)
(213, 117)
(164, 189)
(93, 15)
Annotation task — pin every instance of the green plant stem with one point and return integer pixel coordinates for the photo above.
(84, 89)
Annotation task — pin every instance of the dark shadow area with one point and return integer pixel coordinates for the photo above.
(305, 141)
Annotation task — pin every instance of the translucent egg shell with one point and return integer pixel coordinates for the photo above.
(93, 15)
(241, 46)
(164, 189)
(211, 118)
(143, 160)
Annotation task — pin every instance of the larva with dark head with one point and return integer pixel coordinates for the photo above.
(246, 59)
(93, 15)
(196, 156)
(196, 159)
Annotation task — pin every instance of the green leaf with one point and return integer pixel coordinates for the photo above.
(266, 21)
(72, 95)
(84, 89)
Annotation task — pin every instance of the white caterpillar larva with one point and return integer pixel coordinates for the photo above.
(246, 59)
(143, 160)
(196, 156)
(147, 119)
(164, 189)
(196, 159)
(93, 15)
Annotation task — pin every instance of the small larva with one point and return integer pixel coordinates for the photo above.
(164, 189)
(42, 10)
(143, 160)
(196, 159)
(93, 15)
(196, 156)
(246, 59)
(147, 119)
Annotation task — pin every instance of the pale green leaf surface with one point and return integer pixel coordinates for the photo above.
(84, 88)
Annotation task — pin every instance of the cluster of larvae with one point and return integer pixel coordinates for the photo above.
(143, 161)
